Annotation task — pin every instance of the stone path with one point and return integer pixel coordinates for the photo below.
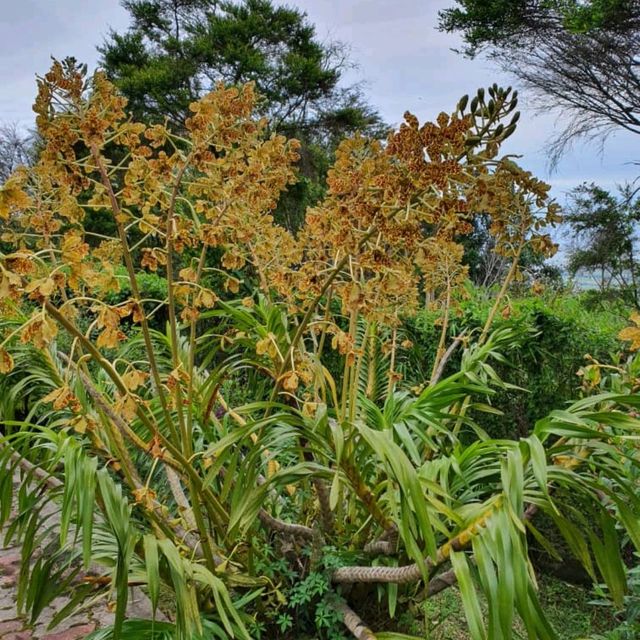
(16, 627)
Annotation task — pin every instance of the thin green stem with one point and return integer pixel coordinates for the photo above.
(503, 290)
(135, 290)
(443, 333)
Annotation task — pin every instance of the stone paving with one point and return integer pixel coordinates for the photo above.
(16, 627)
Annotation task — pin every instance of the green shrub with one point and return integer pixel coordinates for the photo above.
(555, 333)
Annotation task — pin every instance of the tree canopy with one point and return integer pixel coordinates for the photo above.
(577, 58)
(497, 22)
(16, 148)
(176, 50)
(603, 227)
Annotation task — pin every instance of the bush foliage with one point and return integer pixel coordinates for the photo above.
(557, 335)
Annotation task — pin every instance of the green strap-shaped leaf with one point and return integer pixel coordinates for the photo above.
(469, 595)
(151, 562)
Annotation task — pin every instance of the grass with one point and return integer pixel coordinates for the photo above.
(568, 607)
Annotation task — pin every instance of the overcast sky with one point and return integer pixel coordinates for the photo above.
(404, 61)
